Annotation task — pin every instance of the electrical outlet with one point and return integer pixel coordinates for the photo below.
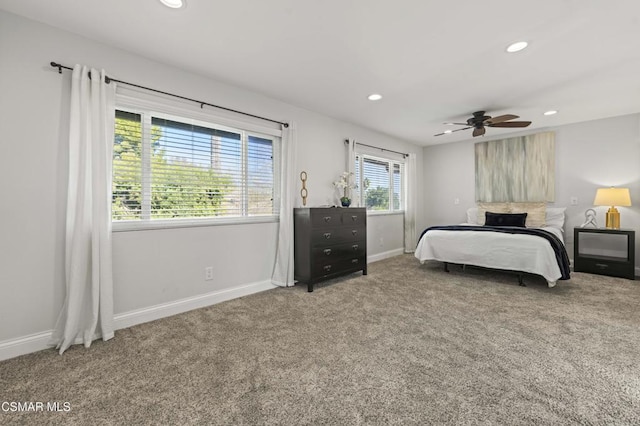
(208, 273)
(574, 201)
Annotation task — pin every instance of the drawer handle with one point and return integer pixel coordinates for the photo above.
(355, 247)
(354, 260)
(327, 235)
(354, 218)
(327, 251)
(354, 232)
(602, 265)
(327, 268)
(327, 219)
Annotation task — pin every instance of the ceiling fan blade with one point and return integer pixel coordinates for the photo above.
(456, 130)
(478, 131)
(511, 124)
(500, 119)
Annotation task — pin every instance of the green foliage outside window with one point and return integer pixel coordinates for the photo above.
(179, 188)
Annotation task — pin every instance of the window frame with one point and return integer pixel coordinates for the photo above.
(165, 109)
(391, 162)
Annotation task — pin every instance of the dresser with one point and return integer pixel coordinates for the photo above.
(329, 241)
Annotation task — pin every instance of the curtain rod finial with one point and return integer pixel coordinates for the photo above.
(53, 64)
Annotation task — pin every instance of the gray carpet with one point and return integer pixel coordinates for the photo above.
(407, 344)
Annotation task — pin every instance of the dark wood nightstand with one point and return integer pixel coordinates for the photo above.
(604, 251)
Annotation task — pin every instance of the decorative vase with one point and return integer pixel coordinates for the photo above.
(346, 202)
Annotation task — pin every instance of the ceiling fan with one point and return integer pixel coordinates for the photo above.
(479, 121)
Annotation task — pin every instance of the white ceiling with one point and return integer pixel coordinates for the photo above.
(434, 61)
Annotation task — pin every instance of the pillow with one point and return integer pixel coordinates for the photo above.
(554, 217)
(505, 219)
(491, 207)
(535, 212)
(472, 215)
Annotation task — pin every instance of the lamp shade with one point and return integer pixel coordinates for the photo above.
(612, 197)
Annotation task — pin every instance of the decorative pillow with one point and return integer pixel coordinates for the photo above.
(491, 207)
(555, 217)
(472, 215)
(505, 219)
(536, 212)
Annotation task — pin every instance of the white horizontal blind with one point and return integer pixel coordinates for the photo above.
(175, 168)
(380, 183)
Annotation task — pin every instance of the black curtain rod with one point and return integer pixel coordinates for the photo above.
(202, 104)
(381, 149)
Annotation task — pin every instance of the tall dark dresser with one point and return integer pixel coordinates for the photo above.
(329, 241)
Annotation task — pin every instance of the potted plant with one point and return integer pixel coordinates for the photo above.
(345, 183)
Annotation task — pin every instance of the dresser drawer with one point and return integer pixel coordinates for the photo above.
(351, 217)
(338, 266)
(330, 236)
(354, 248)
(326, 218)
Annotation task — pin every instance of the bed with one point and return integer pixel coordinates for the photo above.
(536, 250)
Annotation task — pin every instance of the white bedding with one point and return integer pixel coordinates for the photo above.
(513, 252)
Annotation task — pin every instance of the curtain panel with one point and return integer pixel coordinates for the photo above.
(410, 237)
(283, 268)
(87, 312)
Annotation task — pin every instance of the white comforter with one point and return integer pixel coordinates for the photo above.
(513, 252)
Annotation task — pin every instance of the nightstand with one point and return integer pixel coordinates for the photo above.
(604, 251)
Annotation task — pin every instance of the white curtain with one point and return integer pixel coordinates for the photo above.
(283, 269)
(351, 166)
(87, 312)
(410, 207)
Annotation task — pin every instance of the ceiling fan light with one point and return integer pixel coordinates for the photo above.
(517, 46)
(173, 4)
(551, 112)
(375, 97)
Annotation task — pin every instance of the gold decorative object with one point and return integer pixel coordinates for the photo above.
(303, 191)
(612, 197)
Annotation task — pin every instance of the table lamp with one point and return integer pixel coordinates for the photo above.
(612, 197)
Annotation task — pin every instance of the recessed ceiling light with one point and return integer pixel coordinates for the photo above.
(517, 46)
(551, 112)
(174, 4)
(447, 131)
(375, 97)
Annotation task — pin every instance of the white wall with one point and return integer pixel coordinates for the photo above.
(150, 267)
(589, 155)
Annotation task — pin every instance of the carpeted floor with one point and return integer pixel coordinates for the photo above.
(406, 344)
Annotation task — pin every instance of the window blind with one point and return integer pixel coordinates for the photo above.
(380, 183)
(171, 168)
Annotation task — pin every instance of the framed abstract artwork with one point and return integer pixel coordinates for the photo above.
(516, 169)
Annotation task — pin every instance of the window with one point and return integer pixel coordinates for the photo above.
(380, 183)
(168, 168)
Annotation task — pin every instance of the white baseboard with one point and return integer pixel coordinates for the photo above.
(152, 313)
(385, 255)
(40, 341)
(24, 345)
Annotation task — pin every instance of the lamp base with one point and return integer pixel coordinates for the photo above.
(613, 218)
